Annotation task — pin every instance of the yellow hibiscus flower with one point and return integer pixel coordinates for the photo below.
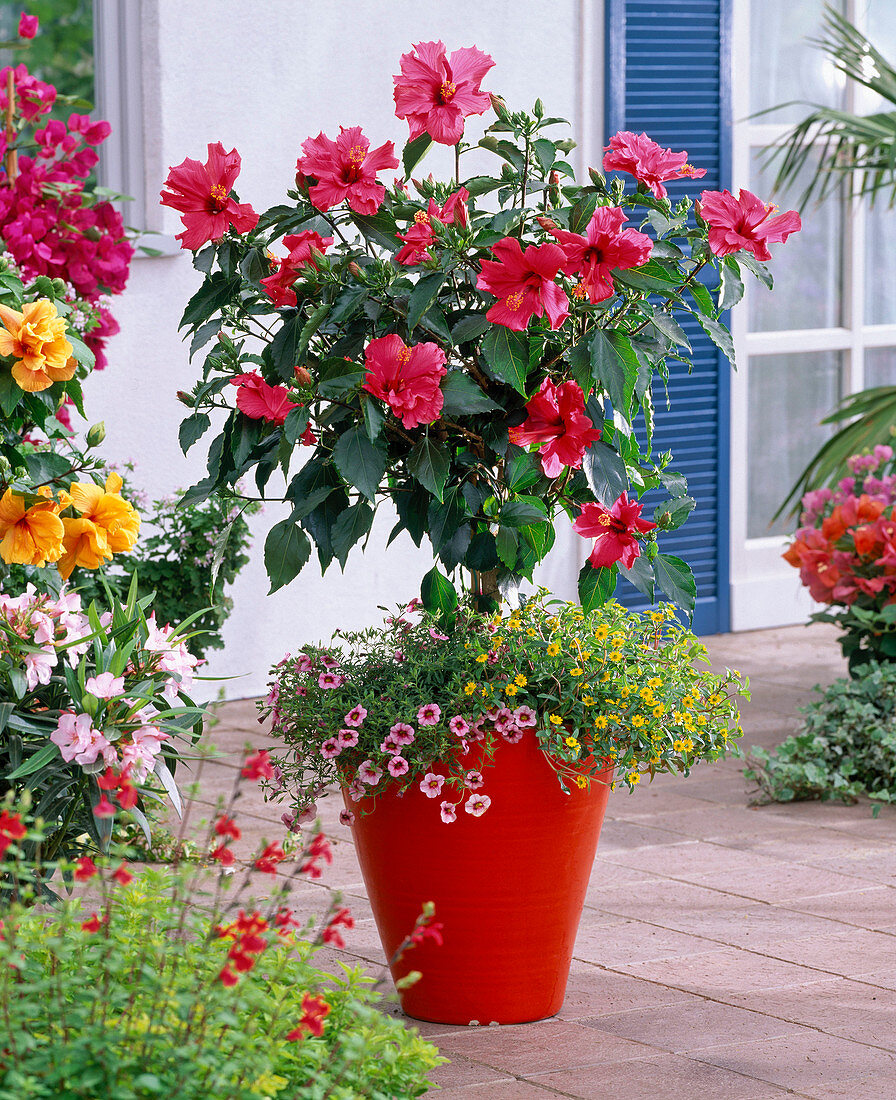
(36, 339)
(29, 536)
(107, 525)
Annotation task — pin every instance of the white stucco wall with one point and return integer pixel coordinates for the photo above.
(262, 77)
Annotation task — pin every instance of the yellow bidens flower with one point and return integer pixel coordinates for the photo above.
(482, 658)
(601, 633)
(581, 781)
(29, 536)
(469, 688)
(107, 525)
(634, 777)
(572, 742)
(576, 671)
(511, 689)
(520, 680)
(556, 719)
(36, 339)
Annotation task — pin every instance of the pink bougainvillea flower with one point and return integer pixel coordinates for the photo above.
(406, 378)
(420, 235)
(369, 774)
(260, 401)
(477, 804)
(448, 812)
(356, 716)
(556, 419)
(605, 246)
(744, 223)
(28, 25)
(523, 284)
(435, 93)
(345, 170)
(614, 531)
(431, 784)
(648, 162)
(302, 248)
(429, 714)
(397, 766)
(202, 195)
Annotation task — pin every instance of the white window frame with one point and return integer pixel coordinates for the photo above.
(766, 591)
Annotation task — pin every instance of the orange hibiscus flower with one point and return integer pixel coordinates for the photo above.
(36, 338)
(29, 536)
(106, 525)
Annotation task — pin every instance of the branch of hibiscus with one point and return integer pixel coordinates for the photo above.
(334, 225)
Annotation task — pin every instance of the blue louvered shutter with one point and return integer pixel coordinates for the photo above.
(667, 75)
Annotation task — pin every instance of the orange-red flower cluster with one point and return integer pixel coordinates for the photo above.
(248, 943)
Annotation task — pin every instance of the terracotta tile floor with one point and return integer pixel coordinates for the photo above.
(726, 951)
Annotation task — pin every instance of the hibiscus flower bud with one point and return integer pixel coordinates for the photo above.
(547, 224)
(185, 399)
(355, 270)
(303, 376)
(96, 435)
(498, 105)
(489, 142)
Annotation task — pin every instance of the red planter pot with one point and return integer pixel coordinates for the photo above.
(508, 887)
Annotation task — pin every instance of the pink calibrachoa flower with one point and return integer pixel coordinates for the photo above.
(356, 790)
(302, 247)
(449, 812)
(648, 162)
(104, 685)
(613, 530)
(390, 745)
(477, 804)
(346, 817)
(459, 726)
(605, 246)
(525, 717)
(473, 780)
(429, 714)
(260, 401)
(347, 738)
(557, 420)
(406, 378)
(744, 223)
(431, 784)
(328, 662)
(437, 636)
(435, 93)
(202, 195)
(345, 170)
(356, 716)
(402, 734)
(523, 283)
(503, 719)
(303, 663)
(512, 734)
(369, 774)
(329, 680)
(397, 766)
(330, 748)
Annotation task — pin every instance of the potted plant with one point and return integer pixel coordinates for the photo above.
(474, 353)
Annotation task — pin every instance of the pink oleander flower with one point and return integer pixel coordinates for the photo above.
(369, 774)
(556, 419)
(39, 665)
(78, 740)
(420, 235)
(329, 680)
(202, 195)
(605, 246)
(613, 530)
(523, 284)
(104, 685)
(459, 726)
(648, 162)
(397, 766)
(345, 170)
(473, 780)
(356, 716)
(330, 748)
(743, 223)
(302, 248)
(431, 784)
(477, 804)
(429, 714)
(347, 738)
(435, 93)
(28, 25)
(448, 812)
(260, 401)
(406, 378)
(402, 734)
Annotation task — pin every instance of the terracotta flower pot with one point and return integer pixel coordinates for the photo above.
(508, 888)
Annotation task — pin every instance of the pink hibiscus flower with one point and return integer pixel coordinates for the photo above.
(406, 378)
(557, 420)
(744, 223)
(421, 234)
(345, 170)
(523, 283)
(260, 401)
(302, 247)
(605, 246)
(436, 93)
(648, 162)
(201, 193)
(613, 530)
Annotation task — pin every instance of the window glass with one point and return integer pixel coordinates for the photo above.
(880, 263)
(788, 396)
(880, 367)
(807, 268)
(784, 66)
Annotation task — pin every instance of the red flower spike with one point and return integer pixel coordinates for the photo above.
(85, 869)
(613, 530)
(744, 223)
(406, 378)
(123, 876)
(223, 855)
(258, 766)
(269, 858)
(12, 826)
(225, 827)
(92, 924)
(314, 1012)
(436, 93)
(104, 808)
(227, 977)
(556, 419)
(523, 283)
(202, 195)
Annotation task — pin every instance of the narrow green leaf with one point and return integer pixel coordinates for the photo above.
(720, 336)
(374, 417)
(469, 327)
(668, 326)
(731, 286)
(35, 762)
(313, 324)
